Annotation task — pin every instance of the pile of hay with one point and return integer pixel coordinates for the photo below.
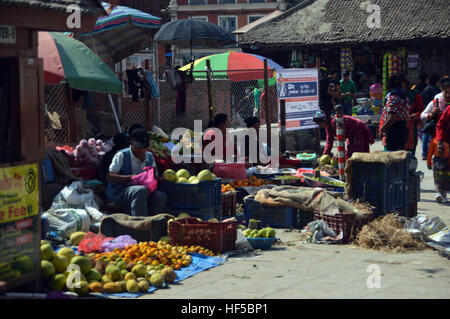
(388, 234)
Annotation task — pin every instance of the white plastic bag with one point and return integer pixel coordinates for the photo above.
(242, 242)
(68, 221)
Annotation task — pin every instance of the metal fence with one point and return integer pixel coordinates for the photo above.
(239, 94)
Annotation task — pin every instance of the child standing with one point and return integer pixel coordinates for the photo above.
(440, 168)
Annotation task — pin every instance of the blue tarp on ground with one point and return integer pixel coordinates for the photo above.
(199, 263)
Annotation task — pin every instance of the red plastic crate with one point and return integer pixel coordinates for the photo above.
(218, 237)
(343, 222)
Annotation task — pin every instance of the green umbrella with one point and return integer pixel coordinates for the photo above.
(65, 57)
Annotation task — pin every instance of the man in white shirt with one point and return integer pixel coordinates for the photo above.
(130, 162)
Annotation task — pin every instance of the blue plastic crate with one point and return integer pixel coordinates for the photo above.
(379, 172)
(414, 188)
(204, 214)
(203, 195)
(384, 197)
(269, 215)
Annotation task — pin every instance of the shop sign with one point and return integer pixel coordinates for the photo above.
(299, 88)
(19, 208)
(413, 61)
(7, 34)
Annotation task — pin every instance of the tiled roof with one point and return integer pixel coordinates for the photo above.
(339, 22)
(90, 7)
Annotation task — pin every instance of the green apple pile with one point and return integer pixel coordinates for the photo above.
(182, 176)
(267, 232)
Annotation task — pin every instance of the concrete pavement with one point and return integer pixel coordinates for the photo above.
(294, 270)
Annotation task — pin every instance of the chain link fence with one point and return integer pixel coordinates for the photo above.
(239, 94)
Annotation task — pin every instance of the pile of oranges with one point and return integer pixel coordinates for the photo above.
(250, 182)
(155, 253)
(227, 188)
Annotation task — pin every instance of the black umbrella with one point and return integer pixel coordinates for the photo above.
(193, 32)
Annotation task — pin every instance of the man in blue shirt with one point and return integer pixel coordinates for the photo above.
(125, 165)
(348, 89)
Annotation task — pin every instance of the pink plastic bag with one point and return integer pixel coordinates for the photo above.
(230, 170)
(120, 242)
(147, 179)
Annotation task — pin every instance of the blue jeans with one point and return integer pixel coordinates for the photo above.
(135, 200)
(348, 108)
(426, 139)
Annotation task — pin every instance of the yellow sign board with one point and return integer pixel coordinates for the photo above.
(19, 192)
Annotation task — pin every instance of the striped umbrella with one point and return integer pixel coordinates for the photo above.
(237, 66)
(122, 33)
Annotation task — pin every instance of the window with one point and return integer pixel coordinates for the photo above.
(256, 1)
(253, 18)
(197, 2)
(203, 18)
(229, 23)
(227, 1)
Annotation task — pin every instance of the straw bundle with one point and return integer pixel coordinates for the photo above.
(387, 233)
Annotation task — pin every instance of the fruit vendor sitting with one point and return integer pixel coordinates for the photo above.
(130, 162)
(357, 134)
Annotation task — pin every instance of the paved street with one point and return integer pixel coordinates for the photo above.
(294, 270)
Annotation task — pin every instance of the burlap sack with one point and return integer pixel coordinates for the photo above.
(133, 222)
(386, 158)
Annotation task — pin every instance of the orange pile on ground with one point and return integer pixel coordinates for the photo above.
(152, 253)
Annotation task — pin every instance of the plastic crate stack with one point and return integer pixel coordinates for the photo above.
(414, 193)
(385, 188)
(202, 200)
(271, 216)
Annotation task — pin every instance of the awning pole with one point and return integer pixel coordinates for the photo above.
(115, 114)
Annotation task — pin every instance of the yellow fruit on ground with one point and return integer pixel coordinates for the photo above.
(47, 252)
(144, 286)
(73, 278)
(139, 270)
(84, 263)
(60, 262)
(106, 280)
(183, 215)
(67, 252)
(169, 274)
(112, 287)
(157, 280)
(47, 270)
(132, 286)
(83, 289)
(113, 272)
(130, 276)
(96, 287)
(76, 238)
(123, 285)
(57, 282)
(94, 275)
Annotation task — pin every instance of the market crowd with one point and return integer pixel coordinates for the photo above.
(410, 111)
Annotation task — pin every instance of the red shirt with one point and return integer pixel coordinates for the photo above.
(353, 128)
(443, 127)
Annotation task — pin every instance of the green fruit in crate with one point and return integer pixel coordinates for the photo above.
(183, 215)
(213, 176)
(170, 175)
(194, 181)
(204, 175)
(190, 179)
(182, 180)
(213, 220)
(183, 173)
